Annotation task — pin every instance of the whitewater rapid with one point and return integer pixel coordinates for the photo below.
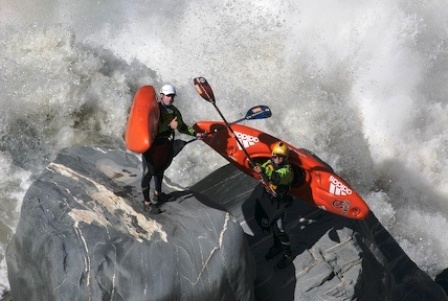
(361, 84)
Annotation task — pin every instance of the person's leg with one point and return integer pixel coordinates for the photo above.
(260, 214)
(158, 178)
(148, 171)
(281, 235)
(283, 241)
(281, 238)
(165, 158)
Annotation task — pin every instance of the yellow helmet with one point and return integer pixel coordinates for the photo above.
(280, 149)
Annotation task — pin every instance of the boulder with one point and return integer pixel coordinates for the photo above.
(335, 258)
(83, 235)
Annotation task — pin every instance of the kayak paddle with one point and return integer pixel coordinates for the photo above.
(257, 112)
(206, 92)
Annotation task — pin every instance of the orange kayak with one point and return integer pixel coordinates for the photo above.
(321, 187)
(143, 120)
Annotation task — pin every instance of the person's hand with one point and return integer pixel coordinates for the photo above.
(201, 135)
(257, 169)
(173, 124)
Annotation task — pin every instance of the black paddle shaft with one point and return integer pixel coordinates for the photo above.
(262, 175)
(234, 135)
(206, 92)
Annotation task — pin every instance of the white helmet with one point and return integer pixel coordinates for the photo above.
(168, 89)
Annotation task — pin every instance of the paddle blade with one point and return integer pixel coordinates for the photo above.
(258, 112)
(204, 89)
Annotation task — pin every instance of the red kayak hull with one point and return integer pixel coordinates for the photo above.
(143, 120)
(322, 187)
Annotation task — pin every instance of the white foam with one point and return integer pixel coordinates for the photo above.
(4, 284)
(363, 85)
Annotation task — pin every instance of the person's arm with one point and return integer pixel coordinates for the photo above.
(182, 127)
(282, 176)
(265, 168)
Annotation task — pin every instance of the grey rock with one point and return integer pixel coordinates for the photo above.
(83, 235)
(334, 258)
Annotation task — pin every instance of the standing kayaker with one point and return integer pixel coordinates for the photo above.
(160, 155)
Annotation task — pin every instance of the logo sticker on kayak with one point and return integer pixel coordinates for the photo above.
(337, 188)
(246, 140)
(344, 206)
